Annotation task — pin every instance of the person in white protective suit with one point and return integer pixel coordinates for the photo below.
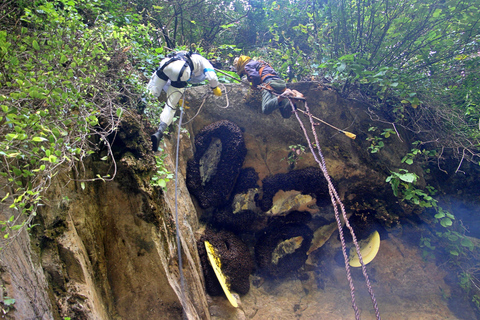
(172, 76)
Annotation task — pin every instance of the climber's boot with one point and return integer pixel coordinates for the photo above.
(157, 136)
(285, 109)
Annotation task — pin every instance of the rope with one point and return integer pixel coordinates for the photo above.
(177, 229)
(205, 96)
(336, 201)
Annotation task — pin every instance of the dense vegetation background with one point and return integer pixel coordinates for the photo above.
(70, 69)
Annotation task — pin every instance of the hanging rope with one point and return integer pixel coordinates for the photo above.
(336, 202)
(177, 228)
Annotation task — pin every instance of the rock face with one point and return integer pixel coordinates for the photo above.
(109, 250)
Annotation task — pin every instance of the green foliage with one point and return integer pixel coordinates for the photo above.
(8, 304)
(470, 282)
(402, 183)
(61, 77)
(428, 252)
(183, 23)
(403, 186)
(376, 142)
(449, 238)
(416, 62)
(225, 79)
(295, 153)
(8, 301)
(416, 152)
(162, 175)
(444, 217)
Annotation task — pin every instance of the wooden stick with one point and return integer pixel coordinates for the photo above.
(348, 134)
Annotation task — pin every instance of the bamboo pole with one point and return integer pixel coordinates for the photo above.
(348, 134)
(224, 73)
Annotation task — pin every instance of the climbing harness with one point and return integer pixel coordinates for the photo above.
(179, 56)
(264, 64)
(336, 202)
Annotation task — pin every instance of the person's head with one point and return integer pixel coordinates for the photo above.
(240, 62)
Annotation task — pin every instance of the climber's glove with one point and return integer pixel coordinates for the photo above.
(217, 91)
(182, 103)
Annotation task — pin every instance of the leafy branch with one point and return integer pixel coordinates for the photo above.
(59, 102)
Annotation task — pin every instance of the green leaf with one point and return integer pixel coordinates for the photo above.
(162, 183)
(39, 139)
(466, 243)
(408, 177)
(8, 301)
(452, 238)
(446, 222)
(11, 136)
(35, 45)
(437, 13)
(5, 198)
(119, 112)
(440, 215)
(16, 227)
(82, 184)
(14, 61)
